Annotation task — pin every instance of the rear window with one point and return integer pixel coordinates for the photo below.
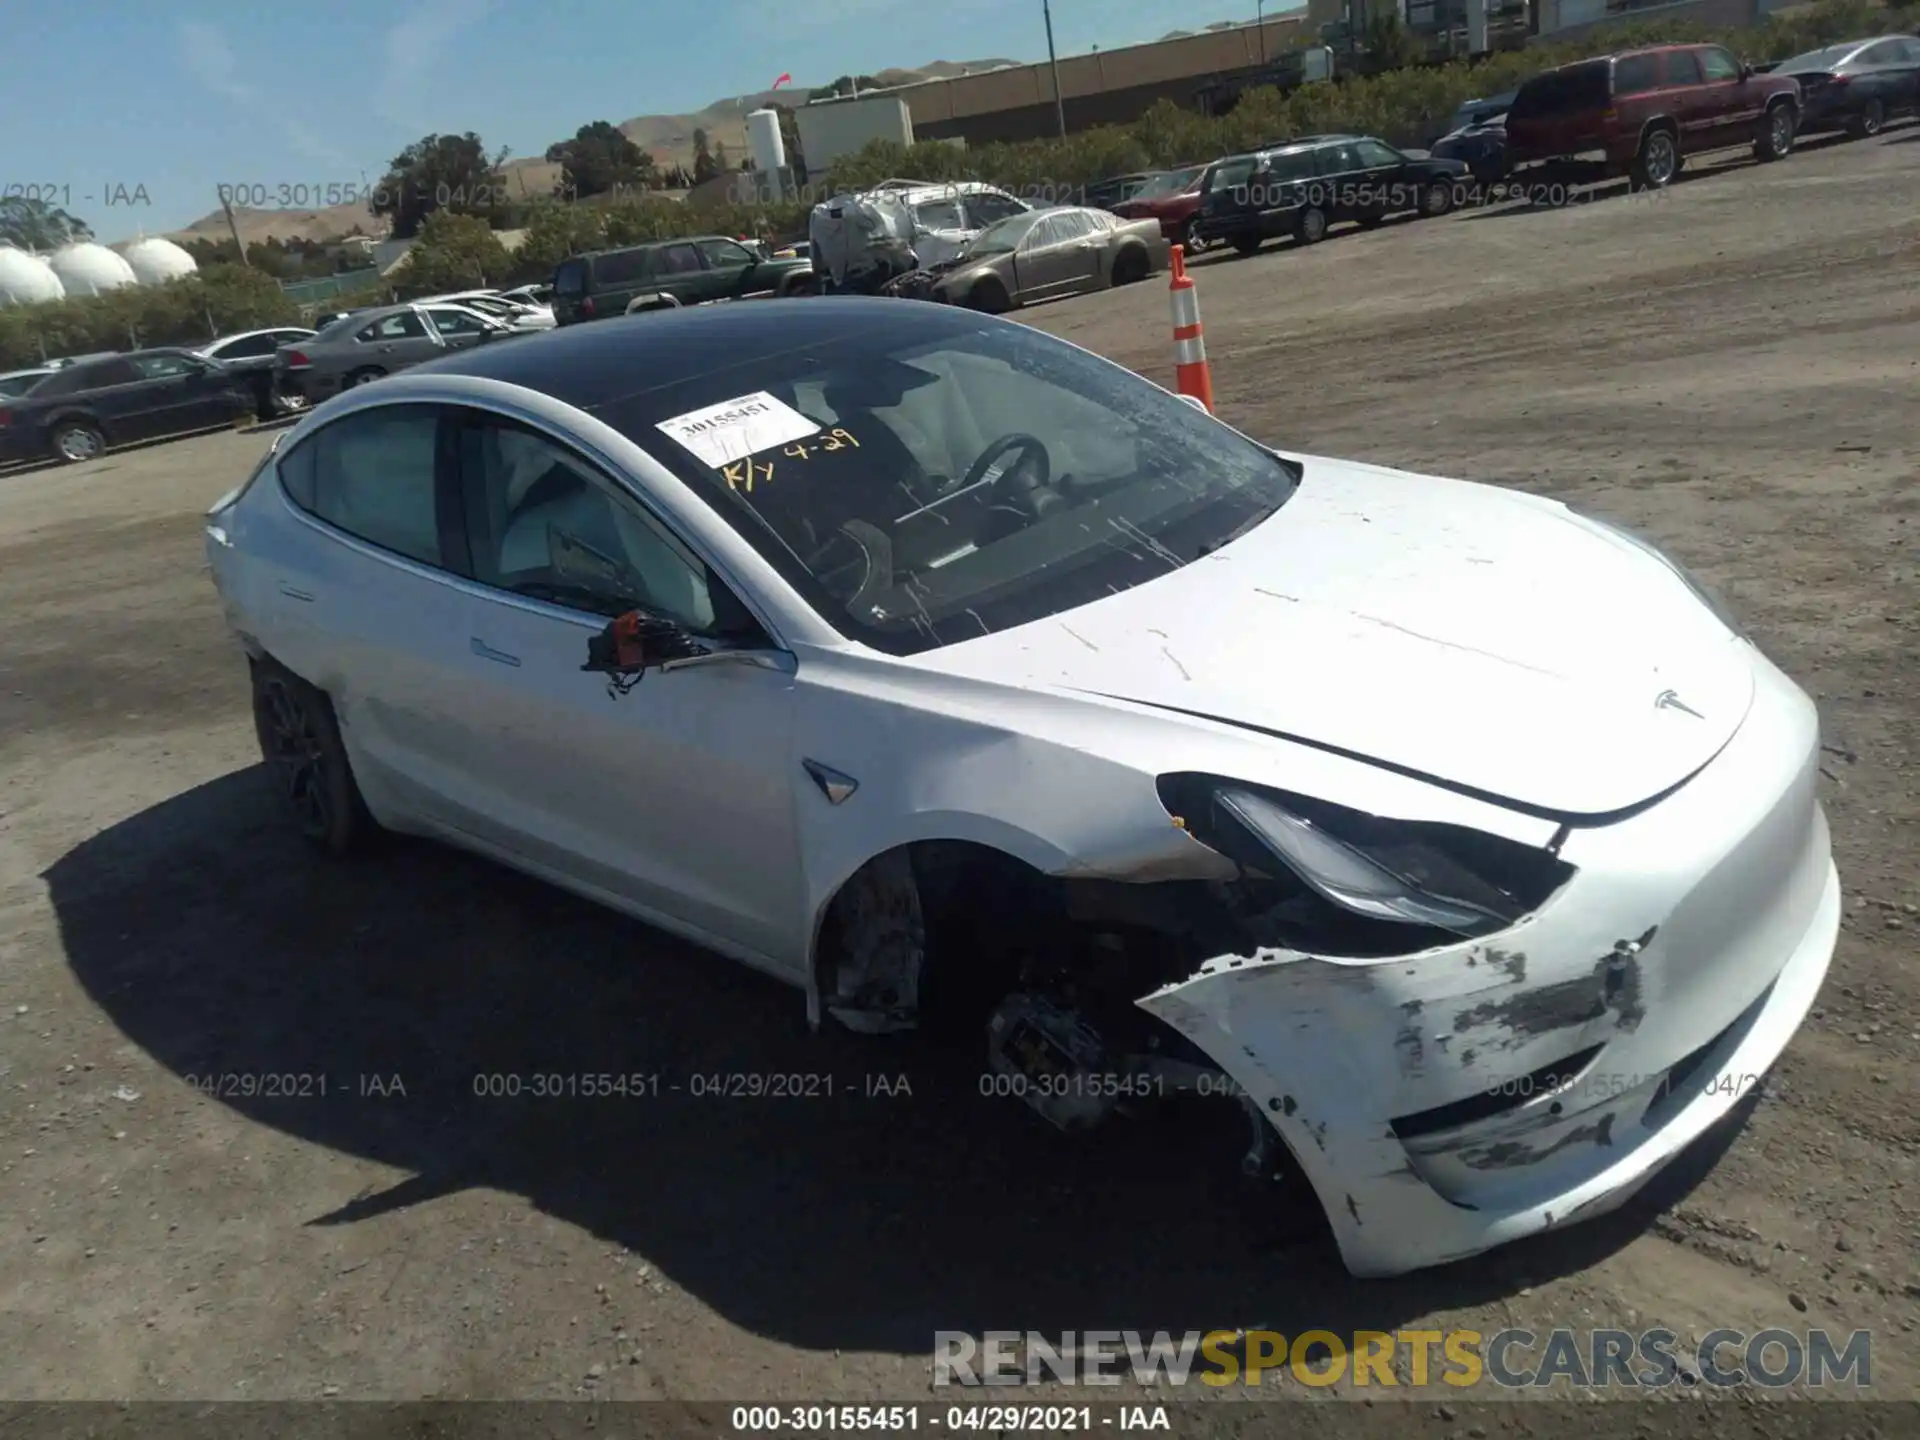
(1230, 173)
(1564, 92)
(570, 278)
(1637, 74)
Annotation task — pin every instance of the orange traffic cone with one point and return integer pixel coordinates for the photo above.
(1191, 373)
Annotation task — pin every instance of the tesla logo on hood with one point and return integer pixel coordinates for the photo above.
(1670, 700)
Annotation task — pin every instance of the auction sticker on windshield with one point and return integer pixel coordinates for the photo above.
(738, 427)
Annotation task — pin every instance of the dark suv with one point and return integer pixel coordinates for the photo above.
(666, 274)
(1302, 187)
(1644, 111)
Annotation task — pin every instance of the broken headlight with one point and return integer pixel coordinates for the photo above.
(1702, 592)
(1441, 877)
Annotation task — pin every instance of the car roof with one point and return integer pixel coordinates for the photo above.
(592, 365)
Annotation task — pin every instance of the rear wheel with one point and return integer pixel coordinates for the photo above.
(1658, 161)
(1190, 240)
(1130, 266)
(362, 377)
(307, 761)
(1436, 199)
(1869, 122)
(77, 440)
(1776, 133)
(1311, 228)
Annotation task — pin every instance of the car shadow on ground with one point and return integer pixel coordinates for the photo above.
(214, 940)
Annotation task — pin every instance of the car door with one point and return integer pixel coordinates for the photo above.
(1673, 85)
(1339, 181)
(130, 403)
(457, 329)
(365, 606)
(732, 269)
(1080, 247)
(1908, 73)
(1040, 261)
(676, 796)
(1882, 72)
(678, 270)
(1383, 181)
(1730, 103)
(396, 341)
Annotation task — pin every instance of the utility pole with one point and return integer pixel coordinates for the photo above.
(1260, 23)
(226, 204)
(1053, 63)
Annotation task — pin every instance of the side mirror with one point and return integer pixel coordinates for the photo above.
(635, 643)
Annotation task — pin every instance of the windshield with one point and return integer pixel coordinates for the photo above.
(1825, 59)
(1002, 235)
(941, 480)
(1171, 183)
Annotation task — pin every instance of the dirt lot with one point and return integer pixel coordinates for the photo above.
(1735, 369)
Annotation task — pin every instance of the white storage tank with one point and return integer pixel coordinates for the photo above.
(85, 268)
(26, 279)
(769, 150)
(156, 261)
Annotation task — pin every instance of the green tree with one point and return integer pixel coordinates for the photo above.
(37, 225)
(600, 158)
(703, 166)
(555, 231)
(453, 252)
(439, 172)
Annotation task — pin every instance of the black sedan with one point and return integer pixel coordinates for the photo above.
(1856, 86)
(76, 412)
(1304, 187)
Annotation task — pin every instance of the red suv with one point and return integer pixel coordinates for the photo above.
(1647, 110)
(1173, 199)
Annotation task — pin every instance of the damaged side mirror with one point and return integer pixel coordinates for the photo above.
(635, 643)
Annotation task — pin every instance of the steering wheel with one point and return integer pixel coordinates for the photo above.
(1016, 496)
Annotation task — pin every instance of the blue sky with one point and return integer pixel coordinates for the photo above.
(105, 99)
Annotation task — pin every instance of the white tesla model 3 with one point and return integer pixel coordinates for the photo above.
(943, 668)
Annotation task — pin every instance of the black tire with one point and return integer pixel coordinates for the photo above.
(1244, 245)
(989, 297)
(1775, 140)
(1871, 120)
(1131, 266)
(1658, 161)
(1190, 242)
(1311, 227)
(804, 285)
(366, 375)
(76, 441)
(1436, 199)
(306, 761)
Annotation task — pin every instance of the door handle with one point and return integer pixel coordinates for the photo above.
(294, 594)
(487, 652)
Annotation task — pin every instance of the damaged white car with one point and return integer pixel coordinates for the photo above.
(946, 670)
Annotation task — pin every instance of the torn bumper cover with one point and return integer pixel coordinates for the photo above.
(1450, 1101)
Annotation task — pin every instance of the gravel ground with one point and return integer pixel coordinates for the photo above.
(1731, 368)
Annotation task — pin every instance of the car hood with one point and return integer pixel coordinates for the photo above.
(1486, 639)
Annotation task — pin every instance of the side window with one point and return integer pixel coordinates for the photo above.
(939, 215)
(725, 254)
(1909, 52)
(406, 325)
(163, 367)
(1073, 224)
(987, 208)
(371, 474)
(456, 322)
(1887, 52)
(1374, 155)
(247, 346)
(101, 374)
(1637, 74)
(681, 259)
(541, 522)
(1718, 64)
(1683, 68)
(1335, 160)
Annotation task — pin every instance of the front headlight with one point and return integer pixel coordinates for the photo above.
(1420, 873)
(1704, 593)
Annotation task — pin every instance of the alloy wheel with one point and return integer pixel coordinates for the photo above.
(295, 751)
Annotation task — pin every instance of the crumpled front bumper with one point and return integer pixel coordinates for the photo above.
(1450, 1101)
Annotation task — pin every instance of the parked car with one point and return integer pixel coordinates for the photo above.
(1478, 138)
(1105, 194)
(253, 354)
(1856, 86)
(864, 242)
(530, 294)
(1641, 113)
(1305, 187)
(16, 382)
(522, 318)
(1044, 254)
(80, 410)
(373, 343)
(666, 274)
(1173, 199)
(959, 677)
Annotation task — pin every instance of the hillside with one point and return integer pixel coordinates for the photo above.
(668, 138)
